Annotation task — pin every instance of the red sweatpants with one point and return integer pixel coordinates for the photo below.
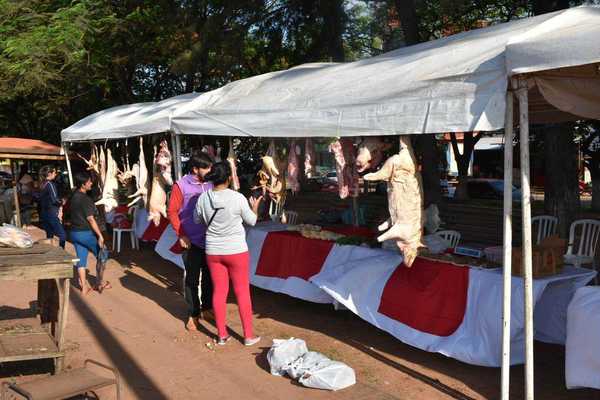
(234, 266)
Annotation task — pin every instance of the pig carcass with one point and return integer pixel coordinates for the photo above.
(405, 202)
(212, 152)
(370, 153)
(309, 158)
(126, 176)
(231, 158)
(161, 177)
(272, 183)
(292, 169)
(140, 171)
(111, 184)
(343, 151)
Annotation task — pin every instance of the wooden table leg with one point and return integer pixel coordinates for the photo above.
(63, 291)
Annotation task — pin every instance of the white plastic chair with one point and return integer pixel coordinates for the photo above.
(118, 231)
(544, 225)
(291, 217)
(586, 232)
(452, 237)
(276, 209)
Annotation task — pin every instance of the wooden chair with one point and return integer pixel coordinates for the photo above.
(544, 226)
(131, 230)
(453, 237)
(583, 238)
(74, 382)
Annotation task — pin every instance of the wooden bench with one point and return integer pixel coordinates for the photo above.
(63, 385)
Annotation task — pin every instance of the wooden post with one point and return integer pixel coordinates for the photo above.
(527, 250)
(63, 286)
(16, 194)
(65, 149)
(507, 245)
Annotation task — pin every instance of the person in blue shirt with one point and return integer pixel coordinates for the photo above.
(51, 206)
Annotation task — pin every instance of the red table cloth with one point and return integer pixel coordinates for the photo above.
(289, 254)
(431, 296)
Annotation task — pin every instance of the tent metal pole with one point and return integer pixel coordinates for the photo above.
(177, 155)
(527, 250)
(180, 162)
(507, 245)
(65, 149)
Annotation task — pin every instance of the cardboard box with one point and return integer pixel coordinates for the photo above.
(547, 257)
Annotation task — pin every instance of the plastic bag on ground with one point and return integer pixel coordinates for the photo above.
(283, 352)
(305, 363)
(329, 375)
(11, 236)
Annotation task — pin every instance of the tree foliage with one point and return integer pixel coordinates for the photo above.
(61, 60)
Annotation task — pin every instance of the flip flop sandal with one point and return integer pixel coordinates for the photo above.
(105, 285)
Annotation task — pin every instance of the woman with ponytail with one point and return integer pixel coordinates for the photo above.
(224, 211)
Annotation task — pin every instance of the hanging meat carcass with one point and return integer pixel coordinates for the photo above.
(161, 177)
(405, 201)
(231, 159)
(102, 167)
(343, 151)
(370, 153)
(127, 175)
(111, 184)
(140, 171)
(212, 152)
(351, 175)
(273, 185)
(309, 158)
(292, 169)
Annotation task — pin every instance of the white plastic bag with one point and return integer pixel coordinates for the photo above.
(305, 363)
(329, 375)
(283, 352)
(11, 236)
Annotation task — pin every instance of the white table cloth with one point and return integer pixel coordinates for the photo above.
(582, 361)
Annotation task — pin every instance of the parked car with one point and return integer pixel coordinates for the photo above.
(331, 176)
(480, 188)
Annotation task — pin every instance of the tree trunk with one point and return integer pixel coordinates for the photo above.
(334, 19)
(596, 192)
(426, 144)
(409, 21)
(463, 161)
(430, 172)
(561, 191)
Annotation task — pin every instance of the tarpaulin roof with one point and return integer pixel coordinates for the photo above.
(455, 84)
(12, 147)
(127, 121)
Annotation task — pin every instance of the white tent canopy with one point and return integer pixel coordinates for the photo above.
(128, 120)
(455, 84)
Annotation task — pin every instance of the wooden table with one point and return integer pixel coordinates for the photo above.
(46, 264)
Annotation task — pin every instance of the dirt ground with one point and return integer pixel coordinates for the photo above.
(138, 327)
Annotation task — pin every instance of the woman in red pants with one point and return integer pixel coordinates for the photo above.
(224, 211)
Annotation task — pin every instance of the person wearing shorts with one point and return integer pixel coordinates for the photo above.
(85, 233)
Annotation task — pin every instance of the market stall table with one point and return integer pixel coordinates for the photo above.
(48, 265)
(436, 306)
